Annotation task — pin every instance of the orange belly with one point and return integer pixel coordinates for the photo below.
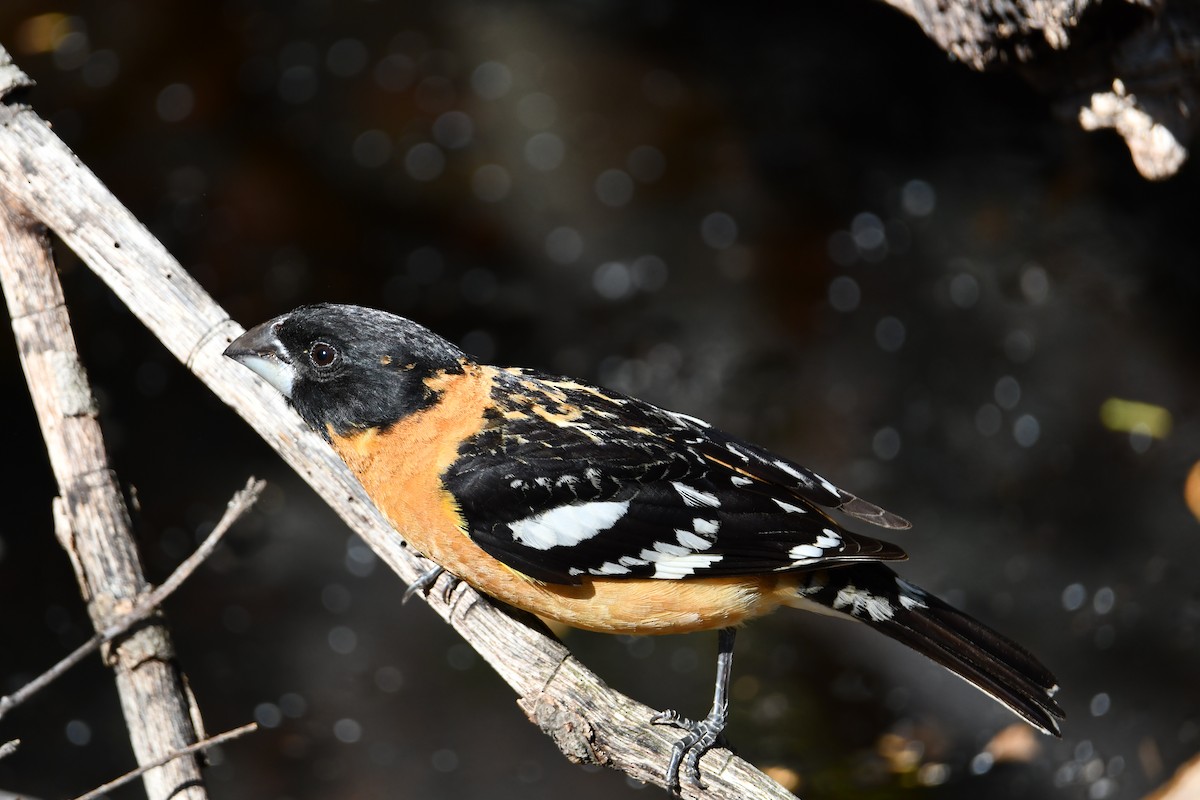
(647, 606)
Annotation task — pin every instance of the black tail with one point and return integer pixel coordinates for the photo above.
(998, 666)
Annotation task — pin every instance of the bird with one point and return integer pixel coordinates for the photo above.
(604, 512)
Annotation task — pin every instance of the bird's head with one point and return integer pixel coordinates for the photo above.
(347, 368)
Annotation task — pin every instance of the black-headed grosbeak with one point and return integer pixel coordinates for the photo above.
(605, 512)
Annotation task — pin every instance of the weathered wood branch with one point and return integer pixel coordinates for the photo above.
(1132, 66)
(588, 721)
(94, 522)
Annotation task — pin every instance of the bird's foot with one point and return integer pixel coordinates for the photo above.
(426, 581)
(700, 737)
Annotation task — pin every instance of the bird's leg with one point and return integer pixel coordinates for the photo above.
(426, 580)
(702, 735)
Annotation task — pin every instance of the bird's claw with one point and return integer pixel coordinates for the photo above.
(700, 737)
(426, 581)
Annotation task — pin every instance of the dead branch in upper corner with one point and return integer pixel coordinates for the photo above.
(586, 719)
(146, 605)
(1133, 66)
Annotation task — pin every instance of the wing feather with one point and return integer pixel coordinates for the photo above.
(568, 480)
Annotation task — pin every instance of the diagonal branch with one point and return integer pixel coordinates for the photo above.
(196, 747)
(146, 605)
(586, 719)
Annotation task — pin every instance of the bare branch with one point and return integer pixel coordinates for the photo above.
(9, 747)
(146, 604)
(1140, 80)
(587, 720)
(183, 751)
(241, 502)
(97, 535)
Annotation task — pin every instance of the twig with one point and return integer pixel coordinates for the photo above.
(146, 605)
(241, 502)
(586, 719)
(183, 751)
(9, 747)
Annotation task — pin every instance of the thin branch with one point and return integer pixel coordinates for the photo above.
(147, 604)
(587, 720)
(9, 747)
(241, 502)
(183, 751)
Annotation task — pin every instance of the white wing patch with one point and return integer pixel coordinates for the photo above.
(685, 418)
(563, 526)
(861, 602)
(675, 561)
(911, 596)
(829, 539)
(783, 466)
(807, 480)
(695, 497)
(691, 541)
(674, 567)
(788, 507)
(818, 548)
(835, 491)
(805, 552)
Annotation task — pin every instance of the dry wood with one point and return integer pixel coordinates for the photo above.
(1127, 66)
(94, 522)
(587, 720)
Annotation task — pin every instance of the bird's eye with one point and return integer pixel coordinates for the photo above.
(322, 354)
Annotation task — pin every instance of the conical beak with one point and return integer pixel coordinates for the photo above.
(260, 350)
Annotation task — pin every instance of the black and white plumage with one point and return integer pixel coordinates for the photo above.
(605, 512)
(568, 480)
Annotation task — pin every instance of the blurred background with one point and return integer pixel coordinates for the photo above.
(800, 221)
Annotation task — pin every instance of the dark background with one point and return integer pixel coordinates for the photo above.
(798, 220)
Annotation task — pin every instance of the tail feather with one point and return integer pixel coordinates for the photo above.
(875, 595)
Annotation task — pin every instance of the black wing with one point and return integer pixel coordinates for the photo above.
(569, 480)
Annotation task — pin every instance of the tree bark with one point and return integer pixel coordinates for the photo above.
(1132, 66)
(92, 520)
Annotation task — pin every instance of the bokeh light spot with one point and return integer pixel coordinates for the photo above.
(491, 80)
(544, 151)
(918, 198)
(890, 334)
(564, 245)
(175, 102)
(719, 230)
(614, 187)
(491, 183)
(424, 161)
(844, 294)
